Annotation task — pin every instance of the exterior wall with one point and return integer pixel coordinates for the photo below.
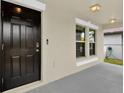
(59, 56)
(114, 41)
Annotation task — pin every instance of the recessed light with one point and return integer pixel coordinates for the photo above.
(95, 7)
(112, 21)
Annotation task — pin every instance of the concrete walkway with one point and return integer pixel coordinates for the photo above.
(102, 78)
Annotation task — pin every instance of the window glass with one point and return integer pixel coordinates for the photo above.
(92, 36)
(80, 41)
(92, 42)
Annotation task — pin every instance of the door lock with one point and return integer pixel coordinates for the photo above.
(37, 45)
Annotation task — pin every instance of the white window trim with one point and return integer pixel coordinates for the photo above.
(85, 23)
(88, 58)
(32, 4)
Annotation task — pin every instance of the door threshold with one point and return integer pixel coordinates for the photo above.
(25, 88)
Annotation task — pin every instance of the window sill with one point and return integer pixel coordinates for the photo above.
(83, 61)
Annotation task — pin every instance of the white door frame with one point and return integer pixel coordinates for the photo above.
(32, 4)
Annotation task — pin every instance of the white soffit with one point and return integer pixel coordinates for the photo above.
(85, 23)
(32, 4)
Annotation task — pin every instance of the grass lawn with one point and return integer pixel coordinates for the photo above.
(114, 61)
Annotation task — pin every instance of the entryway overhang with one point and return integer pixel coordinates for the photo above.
(32, 4)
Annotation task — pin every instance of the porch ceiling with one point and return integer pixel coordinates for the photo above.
(109, 9)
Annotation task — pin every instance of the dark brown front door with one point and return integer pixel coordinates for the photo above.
(21, 45)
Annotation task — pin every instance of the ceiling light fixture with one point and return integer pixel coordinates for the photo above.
(95, 7)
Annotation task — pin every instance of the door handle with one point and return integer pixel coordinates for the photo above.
(37, 50)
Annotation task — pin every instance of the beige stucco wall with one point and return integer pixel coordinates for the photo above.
(59, 57)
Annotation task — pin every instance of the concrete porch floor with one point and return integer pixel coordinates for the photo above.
(102, 78)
